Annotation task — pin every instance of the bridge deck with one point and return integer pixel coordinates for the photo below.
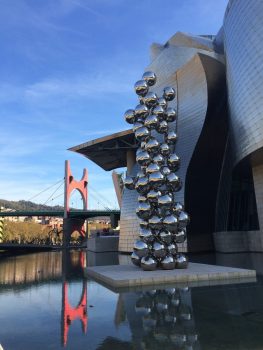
(60, 213)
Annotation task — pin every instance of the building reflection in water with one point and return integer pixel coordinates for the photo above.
(30, 269)
(159, 318)
(73, 267)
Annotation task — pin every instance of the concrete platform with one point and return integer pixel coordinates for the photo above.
(118, 277)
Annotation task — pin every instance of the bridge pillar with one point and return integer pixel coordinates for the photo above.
(74, 224)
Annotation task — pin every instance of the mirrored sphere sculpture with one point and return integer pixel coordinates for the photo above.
(163, 220)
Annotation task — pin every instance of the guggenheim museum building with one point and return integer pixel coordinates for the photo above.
(219, 85)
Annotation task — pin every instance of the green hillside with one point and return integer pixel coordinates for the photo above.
(27, 205)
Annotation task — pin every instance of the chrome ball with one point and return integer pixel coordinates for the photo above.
(165, 170)
(162, 299)
(159, 111)
(170, 291)
(173, 161)
(146, 235)
(162, 128)
(129, 116)
(152, 145)
(150, 78)
(168, 262)
(161, 307)
(153, 167)
(142, 199)
(170, 222)
(170, 115)
(181, 261)
(159, 250)
(171, 138)
(141, 87)
(172, 248)
(136, 260)
(164, 149)
(149, 263)
(143, 169)
(178, 340)
(142, 310)
(162, 102)
(150, 99)
(144, 224)
(136, 126)
(139, 150)
(141, 185)
(152, 121)
(141, 248)
(144, 305)
(141, 112)
(143, 158)
(143, 143)
(169, 93)
(129, 183)
(156, 179)
(153, 196)
(144, 211)
(165, 236)
(165, 201)
(142, 134)
(141, 173)
(180, 236)
(155, 222)
(183, 219)
(158, 159)
(174, 182)
(178, 207)
(148, 323)
(175, 300)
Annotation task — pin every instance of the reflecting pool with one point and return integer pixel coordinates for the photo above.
(46, 302)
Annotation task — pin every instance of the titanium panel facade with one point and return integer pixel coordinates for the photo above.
(243, 38)
(239, 224)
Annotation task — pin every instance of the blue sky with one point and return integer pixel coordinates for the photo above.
(66, 76)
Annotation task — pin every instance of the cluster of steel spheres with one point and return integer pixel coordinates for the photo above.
(163, 220)
(166, 319)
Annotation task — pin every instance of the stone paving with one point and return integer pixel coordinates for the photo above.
(121, 276)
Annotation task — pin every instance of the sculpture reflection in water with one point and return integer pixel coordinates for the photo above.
(163, 220)
(161, 319)
(73, 267)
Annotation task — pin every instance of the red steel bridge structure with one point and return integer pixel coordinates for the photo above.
(73, 220)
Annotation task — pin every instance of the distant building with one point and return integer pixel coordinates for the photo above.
(219, 84)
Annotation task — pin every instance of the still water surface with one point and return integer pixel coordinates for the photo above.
(47, 303)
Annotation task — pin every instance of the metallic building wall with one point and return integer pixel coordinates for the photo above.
(243, 37)
(190, 83)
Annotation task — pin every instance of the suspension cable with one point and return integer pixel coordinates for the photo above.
(59, 195)
(46, 189)
(101, 196)
(53, 193)
(96, 199)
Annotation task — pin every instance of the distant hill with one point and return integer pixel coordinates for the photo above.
(27, 205)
